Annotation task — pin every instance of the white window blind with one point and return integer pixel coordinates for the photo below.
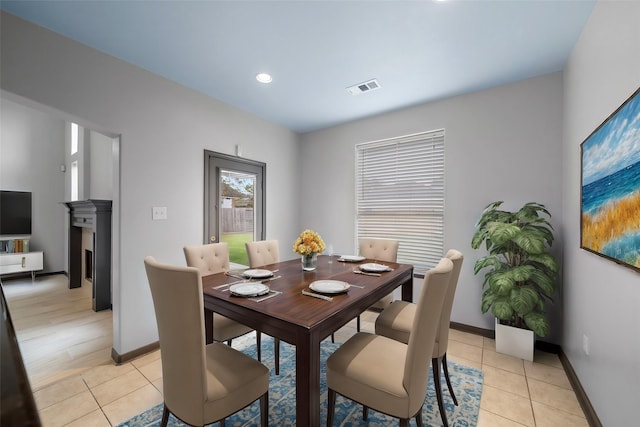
(400, 195)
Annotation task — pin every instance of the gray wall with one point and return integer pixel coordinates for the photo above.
(601, 298)
(500, 144)
(164, 129)
(31, 152)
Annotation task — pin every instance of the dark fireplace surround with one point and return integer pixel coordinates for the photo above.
(94, 215)
(88, 262)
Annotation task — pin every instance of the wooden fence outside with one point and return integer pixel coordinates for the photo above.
(237, 220)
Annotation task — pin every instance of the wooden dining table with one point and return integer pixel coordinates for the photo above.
(301, 320)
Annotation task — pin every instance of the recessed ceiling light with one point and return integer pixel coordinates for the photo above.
(264, 78)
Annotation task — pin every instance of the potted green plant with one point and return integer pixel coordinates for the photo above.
(521, 274)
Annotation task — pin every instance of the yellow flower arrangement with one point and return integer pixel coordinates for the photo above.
(308, 242)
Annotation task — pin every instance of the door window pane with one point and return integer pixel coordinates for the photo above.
(237, 213)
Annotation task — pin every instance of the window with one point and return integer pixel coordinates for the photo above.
(74, 138)
(74, 181)
(400, 195)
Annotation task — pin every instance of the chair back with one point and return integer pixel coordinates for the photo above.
(442, 337)
(209, 259)
(378, 249)
(262, 252)
(178, 304)
(423, 332)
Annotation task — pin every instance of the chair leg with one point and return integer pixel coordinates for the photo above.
(333, 338)
(264, 410)
(404, 422)
(165, 416)
(419, 418)
(446, 376)
(229, 343)
(358, 324)
(259, 345)
(222, 422)
(331, 406)
(435, 365)
(276, 354)
(365, 412)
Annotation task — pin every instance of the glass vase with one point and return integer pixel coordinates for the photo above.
(309, 261)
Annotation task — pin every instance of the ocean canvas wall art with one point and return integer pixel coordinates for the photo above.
(610, 207)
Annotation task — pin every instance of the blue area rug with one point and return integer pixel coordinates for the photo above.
(467, 384)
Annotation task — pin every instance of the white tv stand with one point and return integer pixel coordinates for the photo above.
(20, 262)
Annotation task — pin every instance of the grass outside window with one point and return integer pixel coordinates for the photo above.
(237, 251)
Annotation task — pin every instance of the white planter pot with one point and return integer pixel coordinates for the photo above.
(515, 341)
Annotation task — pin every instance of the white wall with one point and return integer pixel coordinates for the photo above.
(101, 166)
(31, 152)
(164, 129)
(500, 144)
(601, 298)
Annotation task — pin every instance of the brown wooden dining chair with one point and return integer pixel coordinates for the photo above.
(261, 253)
(387, 375)
(201, 383)
(396, 322)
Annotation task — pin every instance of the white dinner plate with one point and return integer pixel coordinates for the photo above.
(351, 258)
(329, 286)
(374, 268)
(249, 289)
(257, 274)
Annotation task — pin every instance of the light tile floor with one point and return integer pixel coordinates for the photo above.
(515, 392)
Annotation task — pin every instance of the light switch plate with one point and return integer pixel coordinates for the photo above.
(159, 212)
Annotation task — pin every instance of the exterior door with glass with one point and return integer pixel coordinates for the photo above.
(234, 202)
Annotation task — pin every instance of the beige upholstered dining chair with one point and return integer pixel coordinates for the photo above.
(201, 383)
(387, 375)
(378, 249)
(384, 250)
(211, 259)
(260, 253)
(396, 321)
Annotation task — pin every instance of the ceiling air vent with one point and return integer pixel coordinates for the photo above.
(363, 87)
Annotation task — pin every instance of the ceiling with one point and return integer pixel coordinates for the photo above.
(419, 51)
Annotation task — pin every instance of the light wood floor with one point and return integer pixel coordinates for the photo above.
(66, 348)
(58, 332)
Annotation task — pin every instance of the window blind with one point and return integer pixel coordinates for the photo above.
(400, 195)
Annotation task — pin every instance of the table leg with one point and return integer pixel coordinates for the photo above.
(407, 289)
(308, 382)
(208, 325)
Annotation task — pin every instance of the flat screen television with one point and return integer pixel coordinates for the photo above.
(15, 213)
